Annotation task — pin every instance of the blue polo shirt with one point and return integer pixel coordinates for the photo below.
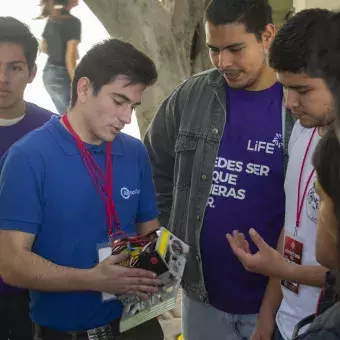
(45, 190)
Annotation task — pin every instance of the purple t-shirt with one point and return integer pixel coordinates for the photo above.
(247, 192)
(34, 118)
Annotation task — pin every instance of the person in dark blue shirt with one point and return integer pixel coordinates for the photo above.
(61, 37)
(68, 187)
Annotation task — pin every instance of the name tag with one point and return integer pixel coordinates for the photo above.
(103, 253)
(293, 253)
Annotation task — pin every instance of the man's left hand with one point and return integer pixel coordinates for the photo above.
(266, 261)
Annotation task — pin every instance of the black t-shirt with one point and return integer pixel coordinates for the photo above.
(58, 31)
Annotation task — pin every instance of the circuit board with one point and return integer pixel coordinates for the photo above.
(164, 254)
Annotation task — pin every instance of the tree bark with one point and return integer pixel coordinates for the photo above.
(170, 32)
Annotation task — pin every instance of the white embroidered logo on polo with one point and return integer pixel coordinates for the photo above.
(126, 193)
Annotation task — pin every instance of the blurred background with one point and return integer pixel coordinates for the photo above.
(92, 32)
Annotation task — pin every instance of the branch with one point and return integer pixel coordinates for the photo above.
(188, 9)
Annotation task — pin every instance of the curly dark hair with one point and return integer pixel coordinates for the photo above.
(292, 47)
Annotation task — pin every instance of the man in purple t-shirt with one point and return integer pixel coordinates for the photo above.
(18, 51)
(217, 146)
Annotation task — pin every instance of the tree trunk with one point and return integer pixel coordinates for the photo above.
(171, 32)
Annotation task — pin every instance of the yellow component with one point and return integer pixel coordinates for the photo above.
(135, 252)
(180, 337)
(164, 239)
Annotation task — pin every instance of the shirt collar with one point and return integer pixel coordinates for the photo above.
(67, 143)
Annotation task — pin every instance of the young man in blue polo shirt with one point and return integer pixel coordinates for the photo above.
(68, 187)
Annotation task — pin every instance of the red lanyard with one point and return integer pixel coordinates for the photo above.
(102, 183)
(299, 204)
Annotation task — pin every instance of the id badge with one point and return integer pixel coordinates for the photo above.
(104, 251)
(293, 248)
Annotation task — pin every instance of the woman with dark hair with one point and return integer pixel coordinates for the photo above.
(60, 42)
(326, 161)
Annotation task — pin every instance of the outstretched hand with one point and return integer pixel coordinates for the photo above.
(267, 261)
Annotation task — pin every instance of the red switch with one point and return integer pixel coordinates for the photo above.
(154, 260)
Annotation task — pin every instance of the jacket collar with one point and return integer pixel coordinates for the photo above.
(216, 79)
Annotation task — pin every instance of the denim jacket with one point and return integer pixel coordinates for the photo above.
(183, 141)
(325, 327)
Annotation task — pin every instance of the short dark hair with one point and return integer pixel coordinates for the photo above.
(291, 49)
(109, 59)
(14, 31)
(326, 55)
(254, 14)
(326, 162)
(47, 8)
(61, 2)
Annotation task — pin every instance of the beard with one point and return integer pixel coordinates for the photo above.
(312, 122)
(248, 80)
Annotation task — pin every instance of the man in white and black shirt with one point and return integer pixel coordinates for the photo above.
(296, 277)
